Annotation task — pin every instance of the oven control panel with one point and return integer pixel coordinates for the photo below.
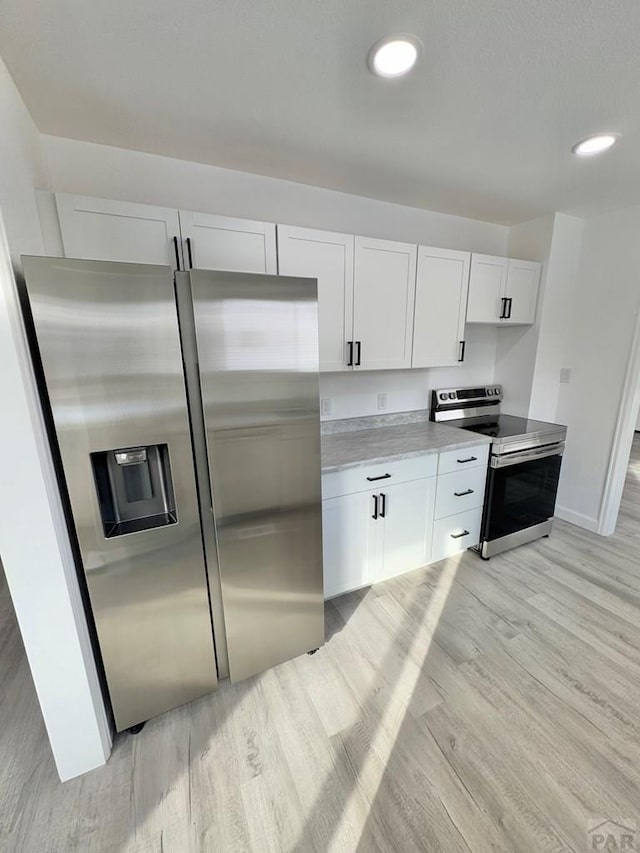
(465, 396)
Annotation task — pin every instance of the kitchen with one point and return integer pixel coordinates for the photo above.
(495, 326)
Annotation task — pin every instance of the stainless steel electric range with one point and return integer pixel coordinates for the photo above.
(524, 465)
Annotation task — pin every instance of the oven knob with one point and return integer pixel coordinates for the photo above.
(443, 396)
(497, 390)
(489, 392)
(452, 395)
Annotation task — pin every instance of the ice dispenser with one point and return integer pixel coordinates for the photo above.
(135, 489)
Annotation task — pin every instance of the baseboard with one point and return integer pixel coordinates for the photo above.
(577, 518)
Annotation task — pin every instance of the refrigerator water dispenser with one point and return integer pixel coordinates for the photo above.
(135, 489)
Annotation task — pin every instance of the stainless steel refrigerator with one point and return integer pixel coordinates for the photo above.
(185, 417)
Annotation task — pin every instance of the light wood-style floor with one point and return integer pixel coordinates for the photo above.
(467, 706)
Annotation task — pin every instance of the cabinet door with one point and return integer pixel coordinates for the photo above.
(329, 258)
(523, 278)
(408, 520)
(442, 283)
(350, 546)
(222, 243)
(456, 533)
(107, 230)
(487, 283)
(384, 292)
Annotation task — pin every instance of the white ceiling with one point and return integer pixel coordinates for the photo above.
(482, 127)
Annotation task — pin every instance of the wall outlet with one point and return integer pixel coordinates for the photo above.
(565, 374)
(325, 406)
(382, 402)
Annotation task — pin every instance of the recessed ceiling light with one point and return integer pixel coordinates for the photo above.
(394, 56)
(595, 144)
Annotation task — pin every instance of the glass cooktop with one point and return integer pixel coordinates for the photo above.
(507, 429)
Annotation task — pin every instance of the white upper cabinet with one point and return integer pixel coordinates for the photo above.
(328, 257)
(523, 279)
(221, 243)
(442, 283)
(384, 292)
(107, 230)
(487, 283)
(502, 291)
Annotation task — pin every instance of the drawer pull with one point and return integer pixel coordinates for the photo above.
(381, 477)
(462, 494)
(470, 459)
(459, 535)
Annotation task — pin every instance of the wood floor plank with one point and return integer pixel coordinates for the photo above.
(567, 754)
(493, 783)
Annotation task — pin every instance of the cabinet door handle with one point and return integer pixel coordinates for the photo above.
(358, 353)
(189, 253)
(459, 535)
(383, 509)
(175, 248)
(381, 477)
(375, 507)
(463, 344)
(462, 494)
(503, 313)
(350, 350)
(470, 459)
(510, 301)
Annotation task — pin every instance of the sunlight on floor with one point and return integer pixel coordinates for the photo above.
(371, 773)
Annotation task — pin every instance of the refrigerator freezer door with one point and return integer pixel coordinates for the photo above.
(257, 342)
(108, 340)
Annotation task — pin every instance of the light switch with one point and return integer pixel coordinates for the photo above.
(565, 374)
(325, 406)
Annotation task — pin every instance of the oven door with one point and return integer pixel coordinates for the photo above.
(521, 490)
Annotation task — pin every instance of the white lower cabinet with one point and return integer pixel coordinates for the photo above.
(455, 533)
(459, 491)
(394, 517)
(406, 527)
(349, 533)
(378, 532)
(462, 476)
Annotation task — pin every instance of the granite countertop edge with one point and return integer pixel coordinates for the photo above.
(347, 450)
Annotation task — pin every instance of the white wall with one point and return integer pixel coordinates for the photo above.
(108, 172)
(605, 313)
(558, 301)
(100, 170)
(33, 539)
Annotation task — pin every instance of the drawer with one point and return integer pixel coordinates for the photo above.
(370, 477)
(460, 491)
(466, 457)
(447, 538)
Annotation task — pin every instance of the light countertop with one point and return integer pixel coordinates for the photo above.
(351, 449)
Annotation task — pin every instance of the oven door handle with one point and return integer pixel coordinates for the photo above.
(527, 455)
